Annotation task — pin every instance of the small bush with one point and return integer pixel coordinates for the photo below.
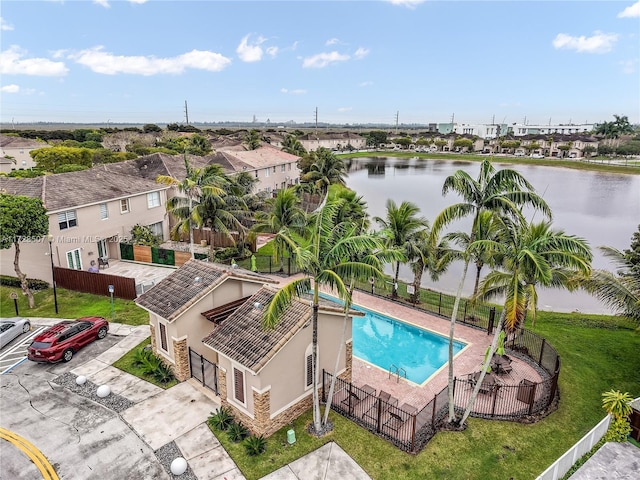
(221, 420)
(153, 366)
(619, 429)
(140, 356)
(255, 445)
(237, 432)
(34, 283)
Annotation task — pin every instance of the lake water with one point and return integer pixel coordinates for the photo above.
(603, 208)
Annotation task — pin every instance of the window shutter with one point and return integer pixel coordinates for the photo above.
(62, 217)
(238, 381)
(104, 212)
(163, 337)
(309, 370)
(71, 218)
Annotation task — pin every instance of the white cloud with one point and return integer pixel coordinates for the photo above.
(632, 11)
(106, 63)
(597, 43)
(406, 3)
(332, 41)
(272, 51)
(367, 83)
(345, 109)
(4, 25)
(10, 89)
(629, 66)
(298, 91)
(322, 60)
(250, 52)
(361, 52)
(102, 3)
(13, 63)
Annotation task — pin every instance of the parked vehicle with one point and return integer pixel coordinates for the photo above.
(11, 328)
(537, 155)
(64, 339)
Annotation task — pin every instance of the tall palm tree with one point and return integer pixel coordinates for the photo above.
(401, 227)
(209, 180)
(353, 209)
(325, 258)
(284, 216)
(327, 169)
(526, 252)
(504, 192)
(432, 255)
(292, 145)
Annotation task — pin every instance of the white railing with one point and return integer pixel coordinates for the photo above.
(571, 456)
(584, 446)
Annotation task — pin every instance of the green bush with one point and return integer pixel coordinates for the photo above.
(221, 420)
(237, 432)
(140, 356)
(152, 366)
(618, 431)
(34, 283)
(255, 445)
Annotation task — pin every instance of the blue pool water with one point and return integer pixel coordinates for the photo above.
(384, 341)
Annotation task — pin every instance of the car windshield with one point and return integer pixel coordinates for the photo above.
(40, 345)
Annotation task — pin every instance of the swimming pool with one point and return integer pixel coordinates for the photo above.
(385, 341)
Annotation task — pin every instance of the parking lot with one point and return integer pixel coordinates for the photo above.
(16, 352)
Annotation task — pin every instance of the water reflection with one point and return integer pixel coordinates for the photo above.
(600, 207)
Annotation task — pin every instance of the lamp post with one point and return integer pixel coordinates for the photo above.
(53, 273)
(113, 312)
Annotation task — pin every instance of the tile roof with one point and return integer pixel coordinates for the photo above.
(180, 290)
(9, 141)
(242, 338)
(229, 162)
(263, 157)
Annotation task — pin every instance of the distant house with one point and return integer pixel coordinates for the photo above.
(212, 314)
(14, 153)
(333, 141)
(90, 212)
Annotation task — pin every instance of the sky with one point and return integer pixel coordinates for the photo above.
(346, 62)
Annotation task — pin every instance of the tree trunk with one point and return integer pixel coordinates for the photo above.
(191, 229)
(485, 368)
(452, 325)
(317, 425)
(24, 285)
(478, 269)
(417, 280)
(395, 283)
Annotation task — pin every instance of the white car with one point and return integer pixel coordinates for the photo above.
(11, 328)
(537, 155)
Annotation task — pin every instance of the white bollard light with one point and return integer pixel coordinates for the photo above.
(81, 380)
(103, 391)
(179, 466)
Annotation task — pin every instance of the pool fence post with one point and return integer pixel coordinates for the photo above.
(439, 303)
(541, 351)
(433, 413)
(464, 314)
(492, 319)
(413, 433)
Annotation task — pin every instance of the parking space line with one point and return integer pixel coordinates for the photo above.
(30, 450)
(17, 353)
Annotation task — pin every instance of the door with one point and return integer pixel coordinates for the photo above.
(74, 259)
(102, 249)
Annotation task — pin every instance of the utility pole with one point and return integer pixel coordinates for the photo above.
(186, 112)
(316, 115)
(453, 117)
(397, 119)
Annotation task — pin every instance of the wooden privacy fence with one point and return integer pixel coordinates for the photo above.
(95, 283)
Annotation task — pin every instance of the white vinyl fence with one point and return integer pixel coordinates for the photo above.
(571, 456)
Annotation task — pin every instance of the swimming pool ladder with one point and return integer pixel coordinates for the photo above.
(397, 371)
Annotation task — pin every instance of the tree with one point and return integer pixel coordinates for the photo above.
(292, 145)
(376, 137)
(198, 145)
(326, 170)
(526, 251)
(151, 128)
(620, 126)
(253, 139)
(618, 405)
(325, 258)
(504, 192)
(23, 219)
(463, 143)
(401, 228)
(207, 181)
(431, 255)
(588, 150)
(620, 290)
(51, 159)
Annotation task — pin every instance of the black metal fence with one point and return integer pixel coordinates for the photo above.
(410, 429)
(203, 370)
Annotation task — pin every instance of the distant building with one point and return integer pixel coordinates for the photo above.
(14, 153)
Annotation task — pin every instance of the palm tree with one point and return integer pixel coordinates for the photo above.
(292, 145)
(283, 215)
(401, 227)
(526, 252)
(432, 255)
(619, 290)
(353, 209)
(325, 258)
(197, 182)
(253, 139)
(327, 169)
(504, 192)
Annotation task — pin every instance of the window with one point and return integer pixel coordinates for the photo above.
(102, 249)
(153, 199)
(124, 205)
(67, 219)
(74, 260)
(290, 166)
(238, 385)
(256, 173)
(163, 337)
(266, 172)
(274, 169)
(104, 211)
(283, 167)
(156, 229)
(309, 371)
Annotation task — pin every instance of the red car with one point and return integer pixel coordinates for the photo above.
(61, 341)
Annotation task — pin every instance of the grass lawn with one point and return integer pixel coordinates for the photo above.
(125, 363)
(71, 305)
(598, 353)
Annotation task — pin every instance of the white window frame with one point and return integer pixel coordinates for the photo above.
(266, 172)
(104, 211)
(153, 200)
(65, 218)
(74, 259)
(125, 203)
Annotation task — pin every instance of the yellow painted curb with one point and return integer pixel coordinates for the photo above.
(30, 450)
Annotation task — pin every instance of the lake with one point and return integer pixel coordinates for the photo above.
(603, 208)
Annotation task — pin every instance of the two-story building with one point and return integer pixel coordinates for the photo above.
(333, 141)
(14, 153)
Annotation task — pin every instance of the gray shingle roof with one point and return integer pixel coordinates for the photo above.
(180, 290)
(242, 338)
(28, 187)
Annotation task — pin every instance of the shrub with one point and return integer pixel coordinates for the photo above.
(618, 431)
(163, 373)
(152, 366)
(237, 432)
(255, 445)
(140, 356)
(34, 283)
(221, 420)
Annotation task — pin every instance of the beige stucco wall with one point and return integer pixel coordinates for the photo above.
(276, 178)
(23, 160)
(34, 255)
